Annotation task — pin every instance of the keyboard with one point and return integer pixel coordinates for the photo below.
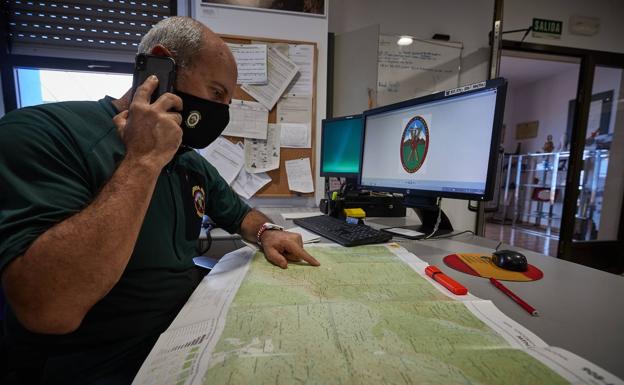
(339, 231)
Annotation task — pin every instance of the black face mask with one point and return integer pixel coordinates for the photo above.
(202, 120)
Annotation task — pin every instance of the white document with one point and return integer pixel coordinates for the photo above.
(263, 155)
(288, 216)
(246, 184)
(295, 135)
(247, 119)
(226, 157)
(303, 56)
(182, 352)
(424, 67)
(281, 72)
(307, 236)
(281, 47)
(402, 231)
(251, 62)
(299, 175)
(294, 109)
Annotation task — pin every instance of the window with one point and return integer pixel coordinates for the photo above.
(36, 86)
(85, 29)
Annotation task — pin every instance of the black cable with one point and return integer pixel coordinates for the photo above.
(526, 33)
(438, 220)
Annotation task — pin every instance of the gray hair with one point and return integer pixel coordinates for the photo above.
(181, 35)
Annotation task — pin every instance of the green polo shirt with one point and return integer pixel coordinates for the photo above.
(54, 159)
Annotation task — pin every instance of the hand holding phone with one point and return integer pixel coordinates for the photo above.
(150, 128)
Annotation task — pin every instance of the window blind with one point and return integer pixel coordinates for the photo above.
(111, 25)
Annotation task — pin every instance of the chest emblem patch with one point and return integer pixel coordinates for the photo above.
(199, 198)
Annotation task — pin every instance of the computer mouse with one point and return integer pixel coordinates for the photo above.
(510, 260)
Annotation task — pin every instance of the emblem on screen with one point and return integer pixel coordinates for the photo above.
(414, 144)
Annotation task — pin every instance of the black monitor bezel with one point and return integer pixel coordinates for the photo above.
(500, 84)
(323, 128)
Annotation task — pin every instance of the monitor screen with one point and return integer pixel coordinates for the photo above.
(341, 146)
(444, 144)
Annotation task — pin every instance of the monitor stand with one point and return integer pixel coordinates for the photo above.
(427, 211)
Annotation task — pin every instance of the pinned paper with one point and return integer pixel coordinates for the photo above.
(294, 109)
(303, 56)
(263, 155)
(246, 184)
(295, 135)
(247, 119)
(299, 175)
(251, 62)
(281, 71)
(226, 157)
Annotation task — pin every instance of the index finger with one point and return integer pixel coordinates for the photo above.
(144, 92)
(301, 252)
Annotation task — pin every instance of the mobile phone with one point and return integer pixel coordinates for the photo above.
(161, 66)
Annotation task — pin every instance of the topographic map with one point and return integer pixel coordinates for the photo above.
(362, 317)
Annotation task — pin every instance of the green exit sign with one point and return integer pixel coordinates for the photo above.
(547, 28)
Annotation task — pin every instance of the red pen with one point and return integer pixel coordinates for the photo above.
(513, 296)
(446, 281)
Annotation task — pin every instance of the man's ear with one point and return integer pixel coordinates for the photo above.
(161, 50)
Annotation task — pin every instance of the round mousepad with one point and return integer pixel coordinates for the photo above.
(482, 266)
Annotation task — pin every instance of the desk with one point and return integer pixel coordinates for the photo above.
(581, 309)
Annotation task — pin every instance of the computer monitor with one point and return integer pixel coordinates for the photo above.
(341, 146)
(439, 145)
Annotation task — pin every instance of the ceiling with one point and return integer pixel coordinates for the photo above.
(520, 70)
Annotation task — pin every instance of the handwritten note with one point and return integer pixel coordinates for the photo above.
(251, 62)
(299, 175)
(247, 119)
(263, 155)
(421, 68)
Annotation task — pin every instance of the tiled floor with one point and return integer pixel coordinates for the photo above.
(525, 238)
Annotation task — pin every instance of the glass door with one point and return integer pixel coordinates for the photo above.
(532, 178)
(597, 234)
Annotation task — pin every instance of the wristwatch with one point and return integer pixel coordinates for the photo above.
(267, 226)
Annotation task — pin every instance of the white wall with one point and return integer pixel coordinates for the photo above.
(547, 101)
(520, 13)
(253, 23)
(465, 21)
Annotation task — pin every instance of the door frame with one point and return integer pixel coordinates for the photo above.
(603, 255)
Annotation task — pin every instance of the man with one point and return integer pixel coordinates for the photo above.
(100, 209)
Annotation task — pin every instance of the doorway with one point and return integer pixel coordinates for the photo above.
(561, 184)
(532, 181)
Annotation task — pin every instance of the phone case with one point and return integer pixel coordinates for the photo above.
(161, 66)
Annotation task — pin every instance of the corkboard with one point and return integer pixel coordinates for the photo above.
(278, 187)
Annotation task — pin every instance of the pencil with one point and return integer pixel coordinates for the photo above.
(530, 309)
